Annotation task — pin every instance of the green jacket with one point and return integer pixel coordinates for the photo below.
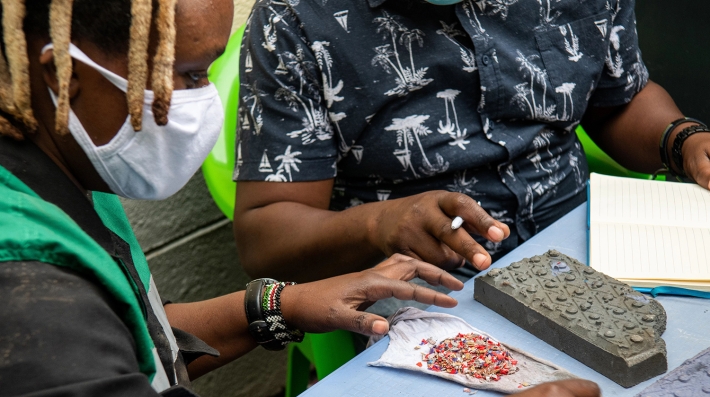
(103, 249)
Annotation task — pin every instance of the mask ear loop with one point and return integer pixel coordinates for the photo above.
(74, 51)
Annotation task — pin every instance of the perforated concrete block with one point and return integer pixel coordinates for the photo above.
(588, 315)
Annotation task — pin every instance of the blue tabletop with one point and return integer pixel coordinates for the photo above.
(687, 333)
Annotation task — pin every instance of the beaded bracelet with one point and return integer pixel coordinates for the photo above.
(262, 305)
(271, 309)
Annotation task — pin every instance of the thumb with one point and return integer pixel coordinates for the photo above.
(364, 323)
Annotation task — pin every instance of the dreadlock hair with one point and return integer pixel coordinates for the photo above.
(19, 104)
(117, 27)
(164, 59)
(141, 12)
(60, 32)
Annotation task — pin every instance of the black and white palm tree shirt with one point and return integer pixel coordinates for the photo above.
(396, 97)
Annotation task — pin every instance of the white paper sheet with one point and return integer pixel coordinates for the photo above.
(410, 325)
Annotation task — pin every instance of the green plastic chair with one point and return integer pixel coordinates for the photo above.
(326, 351)
(219, 165)
(601, 163)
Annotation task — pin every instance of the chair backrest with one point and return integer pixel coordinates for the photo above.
(600, 162)
(219, 165)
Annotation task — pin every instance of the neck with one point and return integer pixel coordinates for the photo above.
(43, 140)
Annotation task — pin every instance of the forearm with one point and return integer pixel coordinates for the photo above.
(297, 242)
(631, 134)
(220, 322)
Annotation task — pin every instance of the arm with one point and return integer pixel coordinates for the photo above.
(285, 230)
(628, 115)
(326, 243)
(321, 306)
(631, 134)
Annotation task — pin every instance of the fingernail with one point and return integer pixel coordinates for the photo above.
(380, 327)
(479, 259)
(496, 233)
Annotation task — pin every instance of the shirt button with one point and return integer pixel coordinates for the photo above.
(485, 60)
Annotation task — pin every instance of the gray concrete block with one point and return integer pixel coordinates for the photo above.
(158, 222)
(592, 317)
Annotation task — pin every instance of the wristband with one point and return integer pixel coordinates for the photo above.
(663, 146)
(262, 304)
(678, 146)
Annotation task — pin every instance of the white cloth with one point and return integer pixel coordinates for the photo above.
(408, 326)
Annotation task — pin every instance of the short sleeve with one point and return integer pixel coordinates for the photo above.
(285, 133)
(624, 73)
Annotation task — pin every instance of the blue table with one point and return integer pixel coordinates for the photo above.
(687, 333)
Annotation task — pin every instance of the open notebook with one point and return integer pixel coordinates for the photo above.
(649, 233)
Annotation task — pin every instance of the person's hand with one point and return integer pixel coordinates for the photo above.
(563, 388)
(696, 158)
(420, 226)
(336, 303)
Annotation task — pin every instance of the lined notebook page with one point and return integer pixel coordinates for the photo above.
(626, 200)
(642, 229)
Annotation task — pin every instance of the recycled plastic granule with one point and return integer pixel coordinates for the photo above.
(469, 354)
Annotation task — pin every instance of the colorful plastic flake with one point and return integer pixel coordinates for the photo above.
(469, 354)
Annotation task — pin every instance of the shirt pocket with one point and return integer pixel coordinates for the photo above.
(573, 55)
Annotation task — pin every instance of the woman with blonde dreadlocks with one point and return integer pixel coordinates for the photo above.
(81, 315)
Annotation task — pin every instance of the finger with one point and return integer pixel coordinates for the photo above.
(459, 241)
(425, 247)
(476, 219)
(453, 259)
(434, 275)
(363, 323)
(402, 290)
(564, 388)
(581, 387)
(405, 268)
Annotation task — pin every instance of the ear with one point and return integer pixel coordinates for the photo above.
(49, 74)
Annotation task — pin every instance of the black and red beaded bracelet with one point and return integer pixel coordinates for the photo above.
(262, 304)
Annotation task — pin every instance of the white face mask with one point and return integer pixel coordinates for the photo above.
(156, 162)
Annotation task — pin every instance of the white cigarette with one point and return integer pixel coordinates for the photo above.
(456, 223)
